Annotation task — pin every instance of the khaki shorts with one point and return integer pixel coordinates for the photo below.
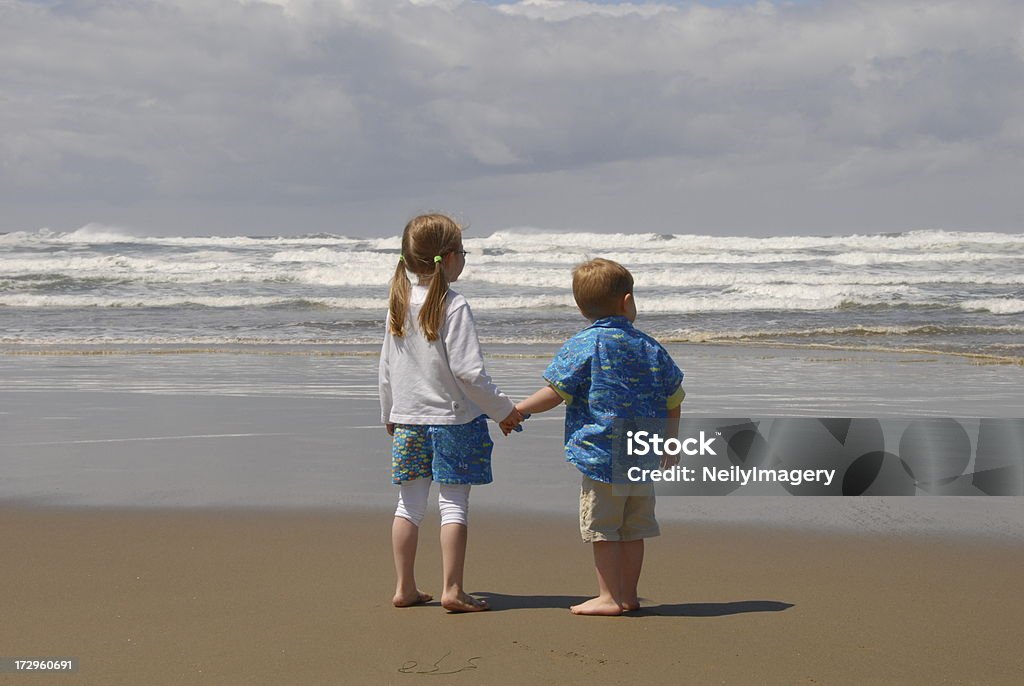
(608, 517)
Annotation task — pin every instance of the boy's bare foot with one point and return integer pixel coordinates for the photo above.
(409, 600)
(630, 602)
(464, 602)
(598, 606)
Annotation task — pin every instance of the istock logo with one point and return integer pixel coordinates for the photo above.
(642, 443)
(822, 456)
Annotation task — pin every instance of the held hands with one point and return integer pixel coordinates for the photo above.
(541, 401)
(511, 422)
(508, 425)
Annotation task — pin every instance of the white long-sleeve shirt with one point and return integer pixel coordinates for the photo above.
(439, 382)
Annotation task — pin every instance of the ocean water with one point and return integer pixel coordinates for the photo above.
(925, 290)
(300, 428)
(242, 370)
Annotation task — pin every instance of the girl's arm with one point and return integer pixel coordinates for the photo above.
(467, 364)
(543, 400)
(384, 385)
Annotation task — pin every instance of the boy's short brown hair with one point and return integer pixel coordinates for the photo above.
(598, 286)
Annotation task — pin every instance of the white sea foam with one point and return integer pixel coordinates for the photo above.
(169, 301)
(531, 240)
(870, 258)
(355, 268)
(96, 234)
(753, 300)
(301, 288)
(996, 305)
(914, 241)
(705, 335)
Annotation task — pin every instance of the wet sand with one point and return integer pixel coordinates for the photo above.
(145, 596)
(175, 518)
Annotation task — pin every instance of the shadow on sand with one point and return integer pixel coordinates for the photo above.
(712, 609)
(502, 601)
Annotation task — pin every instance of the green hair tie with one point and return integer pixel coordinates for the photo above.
(401, 258)
(437, 258)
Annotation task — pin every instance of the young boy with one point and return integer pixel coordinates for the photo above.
(606, 372)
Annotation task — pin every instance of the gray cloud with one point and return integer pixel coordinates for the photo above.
(348, 115)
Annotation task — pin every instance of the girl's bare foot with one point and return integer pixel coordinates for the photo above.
(598, 606)
(630, 605)
(464, 602)
(409, 600)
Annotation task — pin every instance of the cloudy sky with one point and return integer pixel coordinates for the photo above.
(350, 116)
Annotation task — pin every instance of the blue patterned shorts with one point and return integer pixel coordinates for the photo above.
(447, 453)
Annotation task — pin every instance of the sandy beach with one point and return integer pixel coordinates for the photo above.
(223, 518)
(302, 597)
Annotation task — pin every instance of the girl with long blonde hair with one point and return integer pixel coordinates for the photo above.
(435, 395)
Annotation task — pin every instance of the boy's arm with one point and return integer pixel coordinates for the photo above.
(672, 422)
(671, 431)
(543, 400)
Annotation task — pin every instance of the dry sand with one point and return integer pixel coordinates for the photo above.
(149, 597)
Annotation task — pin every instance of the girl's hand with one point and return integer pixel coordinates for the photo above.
(390, 428)
(509, 423)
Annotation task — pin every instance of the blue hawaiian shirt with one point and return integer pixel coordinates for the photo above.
(610, 371)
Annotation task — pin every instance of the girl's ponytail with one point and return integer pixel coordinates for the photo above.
(398, 300)
(426, 241)
(432, 312)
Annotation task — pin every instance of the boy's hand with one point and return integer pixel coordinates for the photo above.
(390, 427)
(511, 422)
(671, 431)
(669, 461)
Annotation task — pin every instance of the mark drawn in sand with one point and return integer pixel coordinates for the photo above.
(411, 667)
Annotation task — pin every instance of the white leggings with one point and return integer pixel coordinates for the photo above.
(452, 501)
